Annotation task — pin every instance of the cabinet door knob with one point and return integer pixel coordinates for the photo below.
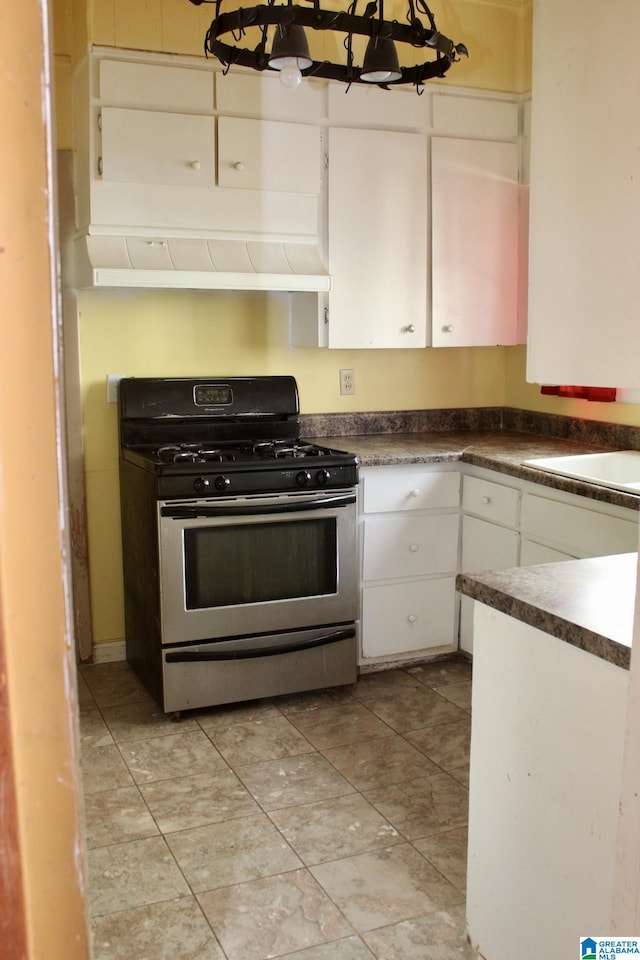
(486, 499)
(412, 618)
(414, 548)
(238, 165)
(410, 328)
(195, 164)
(448, 328)
(415, 492)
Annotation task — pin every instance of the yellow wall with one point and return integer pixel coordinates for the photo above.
(40, 673)
(226, 334)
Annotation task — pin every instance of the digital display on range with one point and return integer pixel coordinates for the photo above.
(212, 394)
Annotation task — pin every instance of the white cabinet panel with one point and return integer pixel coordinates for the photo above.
(385, 491)
(584, 283)
(127, 83)
(405, 617)
(409, 546)
(486, 546)
(143, 146)
(262, 95)
(377, 239)
(587, 532)
(475, 117)
(494, 501)
(268, 155)
(368, 106)
(475, 227)
(532, 553)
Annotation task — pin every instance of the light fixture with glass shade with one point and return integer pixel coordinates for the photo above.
(279, 29)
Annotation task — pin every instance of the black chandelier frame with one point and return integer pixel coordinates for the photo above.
(272, 13)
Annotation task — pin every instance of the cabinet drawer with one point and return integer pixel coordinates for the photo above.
(385, 491)
(584, 531)
(491, 500)
(403, 617)
(409, 546)
(268, 155)
(485, 546)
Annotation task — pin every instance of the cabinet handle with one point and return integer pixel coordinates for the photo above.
(486, 499)
(414, 548)
(412, 618)
(195, 164)
(410, 328)
(238, 165)
(448, 328)
(415, 492)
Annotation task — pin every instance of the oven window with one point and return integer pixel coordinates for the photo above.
(258, 562)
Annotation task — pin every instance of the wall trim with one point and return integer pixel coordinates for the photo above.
(110, 651)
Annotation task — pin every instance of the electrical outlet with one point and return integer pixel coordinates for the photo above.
(348, 382)
(113, 379)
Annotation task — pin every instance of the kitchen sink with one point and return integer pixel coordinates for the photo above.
(619, 469)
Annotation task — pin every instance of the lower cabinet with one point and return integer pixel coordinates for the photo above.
(422, 523)
(409, 534)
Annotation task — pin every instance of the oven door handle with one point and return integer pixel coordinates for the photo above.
(192, 656)
(291, 505)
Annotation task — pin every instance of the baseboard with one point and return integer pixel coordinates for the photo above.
(109, 652)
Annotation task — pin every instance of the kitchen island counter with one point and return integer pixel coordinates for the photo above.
(586, 603)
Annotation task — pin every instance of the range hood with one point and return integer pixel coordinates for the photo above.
(199, 264)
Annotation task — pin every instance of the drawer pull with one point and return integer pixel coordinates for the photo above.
(415, 493)
(414, 548)
(238, 165)
(195, 164)
(412, 618)
(486, 499)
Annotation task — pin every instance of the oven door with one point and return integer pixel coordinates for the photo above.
(257, 564)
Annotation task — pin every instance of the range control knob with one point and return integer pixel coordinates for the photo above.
(322, 476)
(221, 482)
(200, 484)
(303, 478)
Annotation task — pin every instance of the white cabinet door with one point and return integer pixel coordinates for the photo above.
(405, 617)
(485, 546)
(145, 146)
(532, 553)
(475, 227)
(377, 239)
(584, 283)
(269, 155)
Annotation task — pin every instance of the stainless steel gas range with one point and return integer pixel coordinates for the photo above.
(239, 542)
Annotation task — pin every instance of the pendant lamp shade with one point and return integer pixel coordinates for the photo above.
(380, 62)
(290, 43)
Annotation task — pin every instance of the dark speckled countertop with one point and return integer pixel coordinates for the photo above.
(496, 438)
(587, 603)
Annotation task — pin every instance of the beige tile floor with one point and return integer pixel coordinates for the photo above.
(322, 826)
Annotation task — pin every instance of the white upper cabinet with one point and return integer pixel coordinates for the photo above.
(585, 194)
(475, 229)
(268, 155)
(378, 223)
